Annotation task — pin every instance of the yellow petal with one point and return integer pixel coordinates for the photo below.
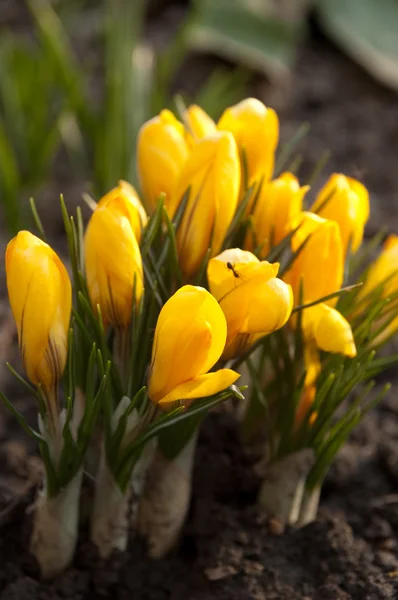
(233, 267)
(212, 175)
(201, 386)
(279, 202)
(320, 264)
(345, 201)
(330, 330)
(270, 306)
(113, 265)
(124, 200)
(256, 130)
(40, 296)
(189, 339)
(199, 124)
(161, 153)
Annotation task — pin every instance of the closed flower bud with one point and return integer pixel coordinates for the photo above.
(346, 201)
(125, 199)
(319, 266)
(254, 301)
(212, 175)
(383, 276)
(40, 295)
(199, 124)
(279, 202)
(330, 331)
(113, 263)
(256, 130)
(189, 339)
(161, 153)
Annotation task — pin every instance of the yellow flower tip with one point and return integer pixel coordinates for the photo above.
(124, 200)
(329, 329)
(212, 176)
(161, 152)
(279, 203)
(40, 295)
(189, 339)
(113, 265)
(256, 130)
(345, 201)
(198, 124)
(319, 266)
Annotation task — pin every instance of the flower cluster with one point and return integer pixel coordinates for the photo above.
(219, 267)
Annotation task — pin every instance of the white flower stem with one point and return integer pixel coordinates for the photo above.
(309, 506)
(55, 528)
(166, 497)
(282, 491)
(109, 522)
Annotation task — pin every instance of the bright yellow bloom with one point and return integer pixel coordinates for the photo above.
(212, 174)
(161, 152)
(320, 264)
(189, 339)
(40, 295)
(124, 198)
(383, 274)
(324, 328)
(256, 130)
(199, 124)
(255, 302)
(279, 202)
(113, 263)
(330, 331)
(346, 201)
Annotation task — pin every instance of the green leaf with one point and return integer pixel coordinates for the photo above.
(21, 420)
(240, 31)
(367, 31)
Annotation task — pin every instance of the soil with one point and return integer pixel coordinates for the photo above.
(229, 551)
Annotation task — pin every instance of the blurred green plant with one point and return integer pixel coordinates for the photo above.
(264, 34)
(49, 96)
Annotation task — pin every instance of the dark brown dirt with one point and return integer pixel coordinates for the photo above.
(227, 551)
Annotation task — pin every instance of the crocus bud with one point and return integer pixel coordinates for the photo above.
(278, 204)
(254, 301)
(161, 153)
(125, 199)
(212, 175)
(199, 124)
(113, 263)
(40, 295)
(330, 331)
(383, 276)
(256, 130)
(319, 266)
(346, 201)
(189, 339)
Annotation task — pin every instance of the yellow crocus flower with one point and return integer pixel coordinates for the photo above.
(320, 263)
(346, 201)
(330, 331)
(161, 152)
(189, 339)
(113, 263)
(212, 176)
(124, 197)
(256, 130)
(255, 302)
(40, 296)
(279, 202)
(199, 124)
(383, 274)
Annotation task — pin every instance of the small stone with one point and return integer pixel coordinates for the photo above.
(221, 572)
(276, 526)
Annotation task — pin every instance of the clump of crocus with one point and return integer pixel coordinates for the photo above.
(40, 296)
(189, 339)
